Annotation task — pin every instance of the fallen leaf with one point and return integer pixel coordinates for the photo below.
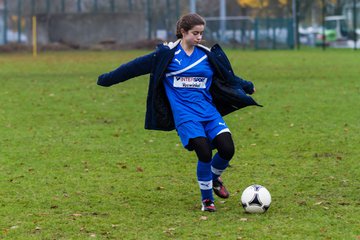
(302, 203)
(203, 218)
(243, 219)
(170, 231)
(139, 169)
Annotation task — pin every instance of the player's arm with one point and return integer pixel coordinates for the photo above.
(247, 86)
(134, 68)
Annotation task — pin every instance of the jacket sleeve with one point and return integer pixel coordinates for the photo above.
(224, 66)
(137, 67)
(247, 86)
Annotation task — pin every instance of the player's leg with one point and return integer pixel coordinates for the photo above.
(203, 151)
(193, 137)
(220, 136)
(225, 146)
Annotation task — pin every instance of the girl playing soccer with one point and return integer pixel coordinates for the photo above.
(191, 88)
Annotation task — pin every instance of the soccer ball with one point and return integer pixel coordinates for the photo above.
(256, 199)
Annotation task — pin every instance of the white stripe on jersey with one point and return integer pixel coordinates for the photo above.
(187, 68)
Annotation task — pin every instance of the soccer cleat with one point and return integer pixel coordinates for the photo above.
(208, 205)
(219, 188)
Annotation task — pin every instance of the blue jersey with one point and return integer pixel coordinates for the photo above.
(187, 83)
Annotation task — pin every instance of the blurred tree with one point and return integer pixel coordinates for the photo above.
(265, 8)
(282, 8)
(262, 3)
(253, 3)
(310, 10)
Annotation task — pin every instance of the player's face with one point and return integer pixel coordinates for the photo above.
(194, 35)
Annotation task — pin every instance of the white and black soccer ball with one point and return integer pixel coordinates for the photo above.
(256, 199)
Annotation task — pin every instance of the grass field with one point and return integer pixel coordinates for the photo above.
(76, 162)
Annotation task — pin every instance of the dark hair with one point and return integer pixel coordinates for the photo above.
(187, 22)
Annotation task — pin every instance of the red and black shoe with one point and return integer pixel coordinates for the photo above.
(208, 205)
(219, 188)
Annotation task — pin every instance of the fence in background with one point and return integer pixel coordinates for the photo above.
(15, 15)
(155, 19)
(258, 33)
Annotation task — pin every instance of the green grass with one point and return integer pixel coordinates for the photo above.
(76, 162)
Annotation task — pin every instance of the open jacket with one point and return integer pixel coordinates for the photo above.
(229, 92)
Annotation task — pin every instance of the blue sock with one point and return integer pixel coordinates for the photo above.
(204, 176)
(218, 165)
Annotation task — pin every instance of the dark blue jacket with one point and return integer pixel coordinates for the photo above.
(229, 92)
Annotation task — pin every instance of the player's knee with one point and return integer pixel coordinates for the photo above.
(205, 157)
(227, 152)
(202, 149)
